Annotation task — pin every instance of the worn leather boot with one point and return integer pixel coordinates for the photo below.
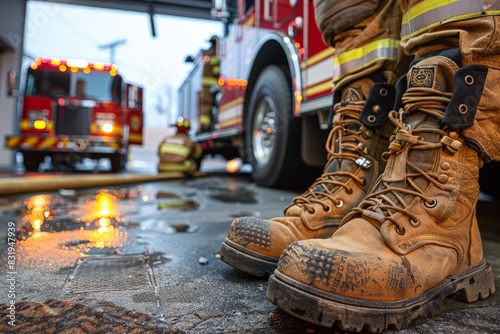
(413, 241)
(356, 142)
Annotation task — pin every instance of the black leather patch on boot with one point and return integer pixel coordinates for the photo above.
(421, 77)
(378, 105)
(468, 88)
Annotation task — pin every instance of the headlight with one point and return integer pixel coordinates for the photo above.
(40, 124)
(107, 127)
(38, 119)
(105, 122)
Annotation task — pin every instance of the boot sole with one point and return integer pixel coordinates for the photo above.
(328, 310)
(247, 261)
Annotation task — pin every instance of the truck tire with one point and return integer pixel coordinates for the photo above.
(272, 133)
(32, 160)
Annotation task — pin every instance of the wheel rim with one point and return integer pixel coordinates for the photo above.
(264, 131)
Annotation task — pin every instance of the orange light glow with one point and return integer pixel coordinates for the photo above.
(105, 206)
(62, 68)
(55, 61)
(234, 165)
(241, 82)
(38, 211)
(98, 66)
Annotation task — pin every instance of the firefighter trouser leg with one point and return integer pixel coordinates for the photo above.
(365, 35)
(474, 107)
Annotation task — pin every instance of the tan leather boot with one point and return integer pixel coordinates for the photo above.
(411, 242)
(354, 162)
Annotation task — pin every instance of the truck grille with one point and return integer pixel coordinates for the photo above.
(73, 120)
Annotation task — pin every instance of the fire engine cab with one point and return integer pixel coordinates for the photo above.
(274, 92)
(74, 109)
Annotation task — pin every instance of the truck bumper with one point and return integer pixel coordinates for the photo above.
(65, 144)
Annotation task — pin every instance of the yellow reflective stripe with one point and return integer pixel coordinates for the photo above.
(48, 142)
(430, 13)
(322, 55)
(13, 141)
(177, 167)
(183, 151)
(135, 136)
(214, 61)
(205, 120)
(359, 58)
(208, 81)
(198, 150)
(324, 86)
(30, 141)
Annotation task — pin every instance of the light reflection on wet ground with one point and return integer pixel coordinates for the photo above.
(59, 228)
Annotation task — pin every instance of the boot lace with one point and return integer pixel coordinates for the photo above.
(342, 143)
(391, 197)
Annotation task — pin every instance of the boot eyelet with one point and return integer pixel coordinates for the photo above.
(371, 119)
(349, 191)
(463, 109)
(400, 230)
(328, 208)
(383, 92)
(432, 204)
(341, 204)
(414, 223)
(469, 80)
(311, 211)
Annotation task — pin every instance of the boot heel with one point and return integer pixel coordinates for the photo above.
(476, 285)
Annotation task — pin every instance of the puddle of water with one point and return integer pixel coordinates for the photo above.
(59, 228)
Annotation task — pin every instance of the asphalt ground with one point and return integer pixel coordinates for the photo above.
(143, 257)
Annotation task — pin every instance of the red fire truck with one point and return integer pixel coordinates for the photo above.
(274, 94)
(74, 109)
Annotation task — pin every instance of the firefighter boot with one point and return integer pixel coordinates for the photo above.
(356, 142)
(413, 241)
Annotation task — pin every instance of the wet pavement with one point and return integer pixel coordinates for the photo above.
(142, 258)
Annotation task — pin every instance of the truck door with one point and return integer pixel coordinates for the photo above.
(134, 118)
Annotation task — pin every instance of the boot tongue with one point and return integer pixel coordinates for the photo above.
(428, 80)
(354, 93)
